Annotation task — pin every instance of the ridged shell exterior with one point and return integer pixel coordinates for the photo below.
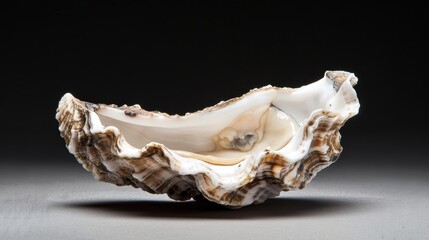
(103, 152)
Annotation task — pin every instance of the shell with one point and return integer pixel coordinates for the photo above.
(236, 153)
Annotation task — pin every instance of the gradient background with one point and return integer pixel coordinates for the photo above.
(182, 57)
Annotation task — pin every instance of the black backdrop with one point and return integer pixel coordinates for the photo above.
(180, 57)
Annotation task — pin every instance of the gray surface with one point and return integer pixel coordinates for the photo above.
(341, 203)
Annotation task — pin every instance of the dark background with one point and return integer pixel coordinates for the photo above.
(181, 57)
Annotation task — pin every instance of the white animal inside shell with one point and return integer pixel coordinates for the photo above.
(236, 153)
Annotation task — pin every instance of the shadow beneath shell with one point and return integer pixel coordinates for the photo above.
(272, 208)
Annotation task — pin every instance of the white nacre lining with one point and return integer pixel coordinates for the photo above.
(272, 115)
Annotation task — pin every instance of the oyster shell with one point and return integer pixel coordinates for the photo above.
(235, 153)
